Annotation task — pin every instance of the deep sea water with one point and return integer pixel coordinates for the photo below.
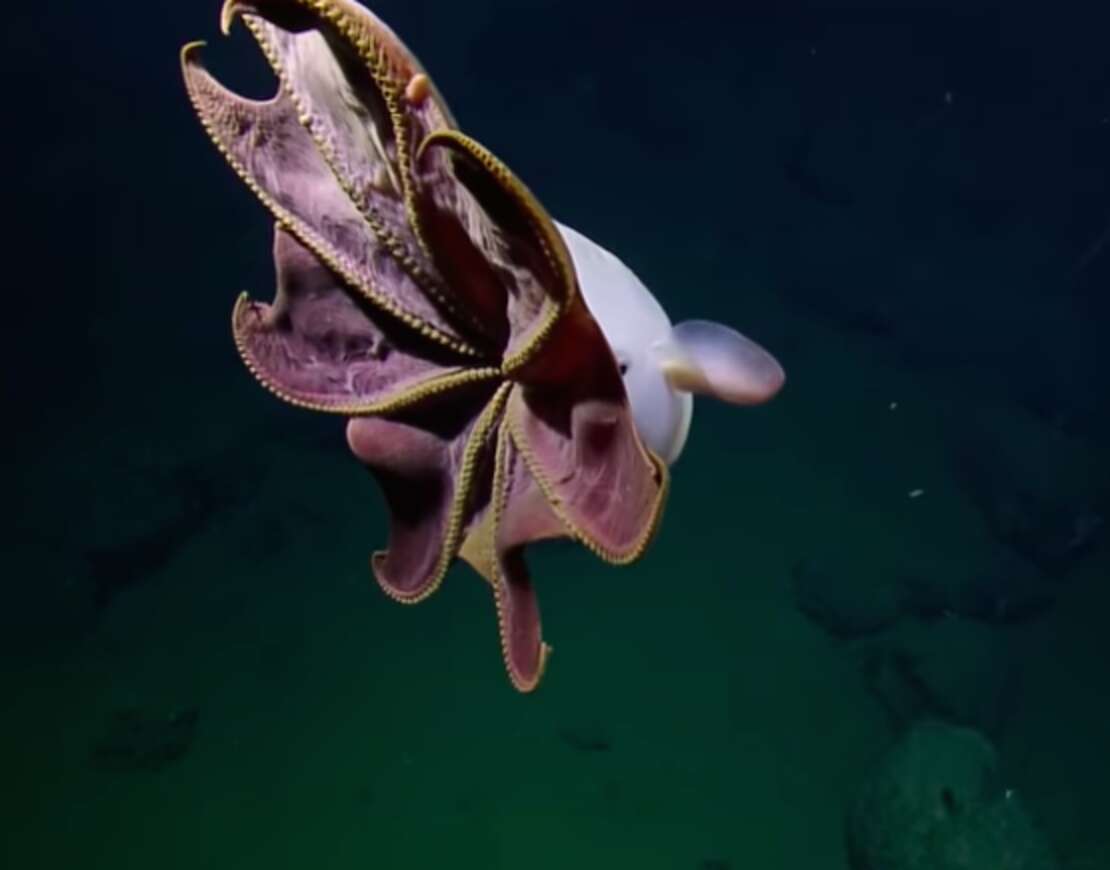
(909, 204)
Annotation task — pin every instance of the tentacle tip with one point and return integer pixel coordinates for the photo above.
(190, 52)
(529, 684)
(228, 13)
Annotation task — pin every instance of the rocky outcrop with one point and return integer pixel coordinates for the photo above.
(937, 802)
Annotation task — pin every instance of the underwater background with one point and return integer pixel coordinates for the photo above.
(873, 630)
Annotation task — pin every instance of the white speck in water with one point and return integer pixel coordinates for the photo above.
(894, 406)
(916, 493)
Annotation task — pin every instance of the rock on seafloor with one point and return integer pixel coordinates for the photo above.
(937, 802)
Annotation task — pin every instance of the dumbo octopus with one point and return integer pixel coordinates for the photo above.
(506, 380)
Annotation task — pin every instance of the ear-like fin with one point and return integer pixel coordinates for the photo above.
(715, 360)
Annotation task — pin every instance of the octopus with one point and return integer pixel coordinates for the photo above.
(505, 379)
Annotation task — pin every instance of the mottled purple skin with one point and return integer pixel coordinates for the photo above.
(423, 293)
